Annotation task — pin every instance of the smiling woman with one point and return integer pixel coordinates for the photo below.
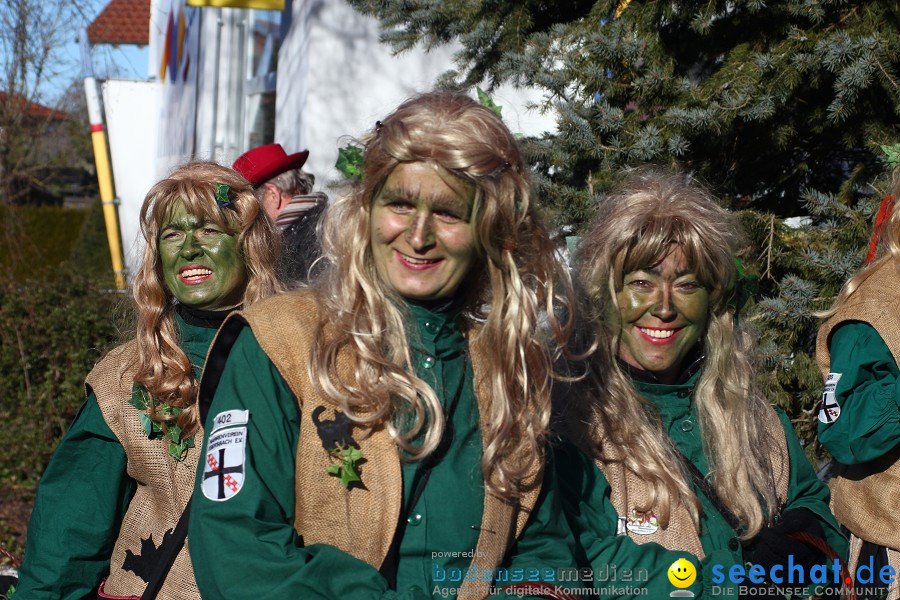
(423, 242)
(399, 408)
(200, 261)
(678, 445)
(122, 475)
(662, 311)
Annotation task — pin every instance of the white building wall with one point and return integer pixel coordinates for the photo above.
(220, 89)
(335, 79)
(132, 148)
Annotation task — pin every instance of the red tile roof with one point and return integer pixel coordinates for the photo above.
(122, 22)
(31, 109)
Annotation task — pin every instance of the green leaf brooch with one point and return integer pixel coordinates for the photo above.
(141, 400)
(341, 447)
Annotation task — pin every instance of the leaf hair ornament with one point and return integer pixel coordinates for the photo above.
(350, 160)
(224, 196)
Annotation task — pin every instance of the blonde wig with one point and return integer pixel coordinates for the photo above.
(888, 250)
(506, 297)
(636, 228)
(163, 368)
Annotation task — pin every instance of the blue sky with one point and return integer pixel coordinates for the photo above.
(121, 62)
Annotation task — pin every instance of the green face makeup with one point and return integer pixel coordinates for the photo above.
(201, 264)
(663, 312)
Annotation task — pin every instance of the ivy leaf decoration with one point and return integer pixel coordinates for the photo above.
(171, 433)
(174, 434)
(148, 424)
(485, 100)
(349, 161)
(893, 155)
(348, 457)
(137, 402)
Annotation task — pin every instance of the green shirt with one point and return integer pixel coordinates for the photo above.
(594, 518)
(82, 498)
(447, 513)
(867, 395)
(246, 546)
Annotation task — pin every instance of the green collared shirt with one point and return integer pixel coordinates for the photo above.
(246, 547)
(594, 518)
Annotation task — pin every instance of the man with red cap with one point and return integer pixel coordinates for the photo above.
(285, 192)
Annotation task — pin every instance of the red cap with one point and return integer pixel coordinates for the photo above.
(265, 162)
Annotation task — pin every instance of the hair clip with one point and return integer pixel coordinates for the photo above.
(378, 126)
(224, 197)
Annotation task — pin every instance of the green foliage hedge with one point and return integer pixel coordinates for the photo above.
(58, 314)
(51, 334)
(37, 242)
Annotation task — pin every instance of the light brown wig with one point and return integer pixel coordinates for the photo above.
(511, 288)
(163, 367)
(636, 227)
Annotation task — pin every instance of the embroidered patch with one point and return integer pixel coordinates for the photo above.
(642, 523)
(829, 409)
(223, 471)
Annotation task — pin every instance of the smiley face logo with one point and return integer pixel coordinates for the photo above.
(682, 573)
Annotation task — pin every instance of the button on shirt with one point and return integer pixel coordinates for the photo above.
(445, 516)
(679, 414)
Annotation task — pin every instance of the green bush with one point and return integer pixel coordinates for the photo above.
(51, 334)
(57, 318)
(38, 242)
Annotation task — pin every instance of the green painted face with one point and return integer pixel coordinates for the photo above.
(663, 312)
(201, 264)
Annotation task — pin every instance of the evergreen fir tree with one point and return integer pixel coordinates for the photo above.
(780, 106)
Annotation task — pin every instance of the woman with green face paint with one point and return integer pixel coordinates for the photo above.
(681, 456)
(392, 436)
(123, 473)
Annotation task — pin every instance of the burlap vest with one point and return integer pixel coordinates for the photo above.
(164, 485)
(628, 491)
(866, 497)
(362, 521)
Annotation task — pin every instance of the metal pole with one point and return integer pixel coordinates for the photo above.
(101, 159)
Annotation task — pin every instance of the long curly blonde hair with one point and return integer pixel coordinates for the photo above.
(516, 284)
(888, 250)
(651, 214)
(162, 366)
